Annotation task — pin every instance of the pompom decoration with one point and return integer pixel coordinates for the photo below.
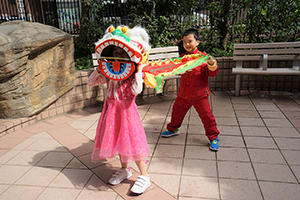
(111, 29)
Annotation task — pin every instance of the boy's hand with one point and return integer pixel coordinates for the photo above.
(210, 60)
(141, 67)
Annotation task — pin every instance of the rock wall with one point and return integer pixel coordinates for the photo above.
(36, 67)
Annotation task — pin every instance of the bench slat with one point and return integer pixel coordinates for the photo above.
(266, 45)
(94, 56)
(267, 51)
(270, 58)
(95, 63)
(269, 71)
(162, 56)
(164, 49)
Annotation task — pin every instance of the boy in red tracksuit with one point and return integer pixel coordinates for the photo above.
(194, 91)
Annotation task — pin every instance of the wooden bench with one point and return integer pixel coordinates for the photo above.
(263, 53)
(160, 53)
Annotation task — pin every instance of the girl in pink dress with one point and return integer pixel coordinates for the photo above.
(120, 130)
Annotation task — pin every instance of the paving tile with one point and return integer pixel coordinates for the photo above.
(10, 173)
(39, 176)
(90, 134)
(238, 170)
(27, 158)
(76, 164)
(199, 168)
(55, 159)
(24, 144)
(39, 127)
(18, 192)
(226, 121)
(9, 143)
(78, 114)
(152, 137)
(81, 148)
(292, 114)
(95, 183)
(260, 142)
(80, 124)
(59, 193)
(234, 189)
(255, 131)
(186, 120)
(284, 132)
(251, 122)
(274, 172)
(202, 187)
(165, 166)
(196, 129)
(169, 183)
(278, 123)
(19, 134)
(197, 140)
(2, 152)
(86, 160)
(248, 107)
(194, 120)
(155, 193)
(223, 112)
(199, 152)
(247, 114)
(279, 191)
(241, 99)
(43, 145)
(62, 131)
(266, 156)
(58, 120)
(272, 114)
(8, 155)
(291, 156)
(96, 195)
(72, 178)
(266, 107)
(233, 154)
(3, 188)
(295, 122)
(288, 143)
(91, 117)
(169, 151)
(229, 130)
(153, 128)
(155, 119)
(231, 141)
(176, 140)
(296, 171)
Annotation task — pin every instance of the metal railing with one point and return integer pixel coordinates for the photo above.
(63, 14)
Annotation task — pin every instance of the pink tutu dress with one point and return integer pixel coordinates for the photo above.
(120, 130)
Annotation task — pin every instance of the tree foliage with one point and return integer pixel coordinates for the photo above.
(247, 21)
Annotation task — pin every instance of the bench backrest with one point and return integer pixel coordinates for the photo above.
(263, 52)
(162, 53)
(159, 53)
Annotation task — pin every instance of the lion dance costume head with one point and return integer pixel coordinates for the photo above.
(135, 42)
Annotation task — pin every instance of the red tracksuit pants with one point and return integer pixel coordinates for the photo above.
(202, 106)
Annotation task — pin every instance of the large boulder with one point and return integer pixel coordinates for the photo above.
(36, 67)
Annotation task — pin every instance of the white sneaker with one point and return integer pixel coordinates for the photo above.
(120, 176)
(141, 184)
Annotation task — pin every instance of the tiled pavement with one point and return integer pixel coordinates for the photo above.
(258, 157)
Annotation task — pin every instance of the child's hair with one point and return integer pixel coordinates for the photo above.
(191, 31)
